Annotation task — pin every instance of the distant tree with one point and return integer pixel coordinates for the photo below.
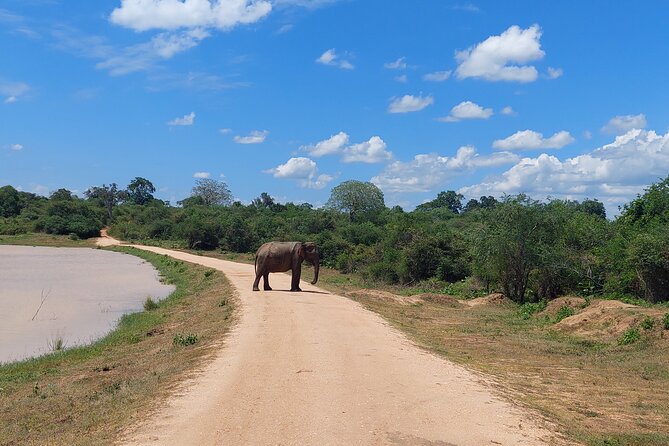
(450, 200)
(108, 196)
(140, 191)
(593, 207)
(212, 192)
(482, 203)
(10, 202)
(61, 195)
(264, 201)
(356, 198)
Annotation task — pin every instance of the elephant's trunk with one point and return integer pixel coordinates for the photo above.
(316, 267)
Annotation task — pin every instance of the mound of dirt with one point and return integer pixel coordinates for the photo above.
(575, 303)
(441, 299)
(384, 296)
(606, 319)
(490, 299)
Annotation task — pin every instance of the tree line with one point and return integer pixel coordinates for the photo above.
(528, 249)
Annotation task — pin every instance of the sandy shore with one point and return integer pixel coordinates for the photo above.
(85, 293)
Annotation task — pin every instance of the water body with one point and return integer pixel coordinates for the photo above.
(85, 293)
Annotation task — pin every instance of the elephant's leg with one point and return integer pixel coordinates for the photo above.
(266, 281)
(257, 281)
(295, 282)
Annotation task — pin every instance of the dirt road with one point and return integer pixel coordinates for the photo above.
(314, 368)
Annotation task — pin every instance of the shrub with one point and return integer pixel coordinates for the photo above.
(564, 312)
(526, 310)
(150, 304)
(648, 323)
(665, 321)
(184, 340)
(630, 336)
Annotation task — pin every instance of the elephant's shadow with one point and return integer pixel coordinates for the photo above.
(301, 292)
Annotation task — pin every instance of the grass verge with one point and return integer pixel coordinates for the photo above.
(41, 239)
(88, 395)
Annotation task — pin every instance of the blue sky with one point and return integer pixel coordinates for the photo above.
(292, 97)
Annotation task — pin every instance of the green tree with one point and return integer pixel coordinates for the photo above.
(61, 195)
(140, 191)
(212, 192)
(449, 200)
(356, 198)
(10, 202)
(107, 196)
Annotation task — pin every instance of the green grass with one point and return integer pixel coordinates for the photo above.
(41, 239)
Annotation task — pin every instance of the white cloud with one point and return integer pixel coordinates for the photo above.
(587, 134)
(16, 147)
(225, 131)
(428, 171)
(409, 103)
(467, 110)
(614, 173)
(531, 140)
(437, 76)
(142, 56)
(399, 64)
(188, 119)
(372, 151)
(302, 169)
(332, 145)
(142, 15)
(201, 175)
(285, 28)
(255, 137)
(624, 123)
(508, 111)
(554, 73)
(402, 79)
(331, 58)
(467, 7)
(13, 90)
(503, 57)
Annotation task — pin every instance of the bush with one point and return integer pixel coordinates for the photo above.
(648, 323)
(665, 321)
(564, 312)
(526, 310)
(184, 340)
(630, 336)
(150, 304)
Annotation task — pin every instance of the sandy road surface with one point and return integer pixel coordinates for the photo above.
(314, 368)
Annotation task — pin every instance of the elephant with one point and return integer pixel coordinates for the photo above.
(274, 257)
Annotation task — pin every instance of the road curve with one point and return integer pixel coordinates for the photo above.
(314, 368)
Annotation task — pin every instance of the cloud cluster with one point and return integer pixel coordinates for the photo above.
(371, 151)
(531, 140)
(503, 57)
(143, 15)
(331, 58)
(624, 123)
(399, 64)
(16, 147)
(437, 76)
(255, 137)
(201, 175)
(302, 169)
(409, 103)
(427, 171)
(187, 120)
(615, 172)
(467, 110)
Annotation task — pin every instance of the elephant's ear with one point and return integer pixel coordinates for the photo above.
(300, 249)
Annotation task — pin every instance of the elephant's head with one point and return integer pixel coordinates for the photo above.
(310, 253)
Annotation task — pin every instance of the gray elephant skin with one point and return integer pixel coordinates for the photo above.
(279, 257)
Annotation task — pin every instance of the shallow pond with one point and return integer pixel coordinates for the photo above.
(75, 295)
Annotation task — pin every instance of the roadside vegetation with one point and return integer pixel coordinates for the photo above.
(575, 320)
(88, 395)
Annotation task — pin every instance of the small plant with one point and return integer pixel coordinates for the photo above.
(150, 304)
(223, 303)
(648, 323)
(665, 321)
(57, 344)
(630, 336)
(564, 312)
(184, 340)
(526, 310)
(209, 273)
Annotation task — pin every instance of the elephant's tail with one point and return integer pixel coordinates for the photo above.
(255, 265)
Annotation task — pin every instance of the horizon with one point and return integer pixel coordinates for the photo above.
(293, 97)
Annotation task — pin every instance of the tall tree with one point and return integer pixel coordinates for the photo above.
(10, 202)
(108, 196)
(449, 199)
(356, 198)
(140, 191)
(212, 192)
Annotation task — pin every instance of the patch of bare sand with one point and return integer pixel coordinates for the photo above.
(384, 296)
(554, 306)
(490, 299)
(607, 319)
